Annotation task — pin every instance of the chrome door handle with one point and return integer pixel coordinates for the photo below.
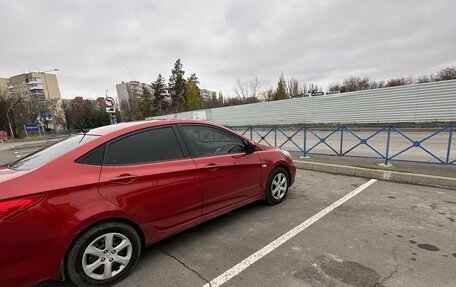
(212, 167)
(124, 178)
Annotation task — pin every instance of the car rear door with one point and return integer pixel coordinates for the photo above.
(149, 174)
(227, 172)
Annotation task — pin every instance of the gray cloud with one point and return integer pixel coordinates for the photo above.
(97, 44)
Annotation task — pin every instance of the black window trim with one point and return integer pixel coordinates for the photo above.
(179, 139)
(191, 153)
(80, 160)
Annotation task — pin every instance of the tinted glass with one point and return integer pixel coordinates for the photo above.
(94, 157)
(208, 141)
(50, 153)
(148, 146)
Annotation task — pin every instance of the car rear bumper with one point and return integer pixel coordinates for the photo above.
(28, 262)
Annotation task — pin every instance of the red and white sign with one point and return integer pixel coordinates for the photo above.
(110, 102)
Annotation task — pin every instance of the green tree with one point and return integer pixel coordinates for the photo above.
(193, 98)
(86, 114)
(194, 79)
(160, 102)
(281, 91)
(176, 86)
(192, 94)
(145, 104)
(4, 108)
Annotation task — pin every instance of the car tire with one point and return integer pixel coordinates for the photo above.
(114, 245)
(277, 186)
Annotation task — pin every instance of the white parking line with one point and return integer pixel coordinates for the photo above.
(238, 268)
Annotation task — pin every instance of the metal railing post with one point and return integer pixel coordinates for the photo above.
(251, 133)
(450, 140)
(341, 139)
(275, 136)
(305, 140)
(387, 145)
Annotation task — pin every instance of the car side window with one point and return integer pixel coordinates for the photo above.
(208, 141)
(153, 145)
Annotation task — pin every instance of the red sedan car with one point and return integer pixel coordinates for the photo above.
(85, 207)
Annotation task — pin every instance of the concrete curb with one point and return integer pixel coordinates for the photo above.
(396, 176)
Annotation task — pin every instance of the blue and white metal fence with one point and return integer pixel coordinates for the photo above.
(417, 143)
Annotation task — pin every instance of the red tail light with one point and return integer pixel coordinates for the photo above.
(10, 208)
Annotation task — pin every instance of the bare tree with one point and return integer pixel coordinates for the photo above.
(395, 82)
(424, 79)
(446, 74)
(355, 84)
(303, 90)
(247, 89)
(334, 87)
(293, 88)
(314, 88)
(254, 87)
(241, 89)
(269, 95)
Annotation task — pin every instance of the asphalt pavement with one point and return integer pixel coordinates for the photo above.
(387, 234)
(14, 150)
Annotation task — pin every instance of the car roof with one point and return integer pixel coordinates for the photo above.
(105, 130)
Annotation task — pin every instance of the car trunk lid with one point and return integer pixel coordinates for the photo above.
(8, 174)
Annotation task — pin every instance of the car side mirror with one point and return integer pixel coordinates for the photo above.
(249, 147)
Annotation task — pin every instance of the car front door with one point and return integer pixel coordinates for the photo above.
(149, 174)
(228, 173)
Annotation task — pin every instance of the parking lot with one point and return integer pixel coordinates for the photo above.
(389, 234)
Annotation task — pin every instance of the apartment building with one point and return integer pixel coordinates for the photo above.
(128, 95)
(4, 87)
(39, 89)
(207, 95)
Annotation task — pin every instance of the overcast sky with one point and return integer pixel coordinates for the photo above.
(97, 44)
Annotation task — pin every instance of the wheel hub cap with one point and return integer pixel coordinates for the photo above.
(279, 186)
(106, 256)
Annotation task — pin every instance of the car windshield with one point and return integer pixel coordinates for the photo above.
(47, 154)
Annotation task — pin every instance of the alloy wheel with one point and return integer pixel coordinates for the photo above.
(279, 186)
(106, 256)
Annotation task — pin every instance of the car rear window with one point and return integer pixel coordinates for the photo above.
(47, 154)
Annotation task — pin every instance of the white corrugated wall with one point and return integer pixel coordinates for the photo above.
(413, 103)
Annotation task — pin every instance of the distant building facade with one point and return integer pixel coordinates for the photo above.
(32, 94)
(4, 87)
(128, 96)
(207, 95)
